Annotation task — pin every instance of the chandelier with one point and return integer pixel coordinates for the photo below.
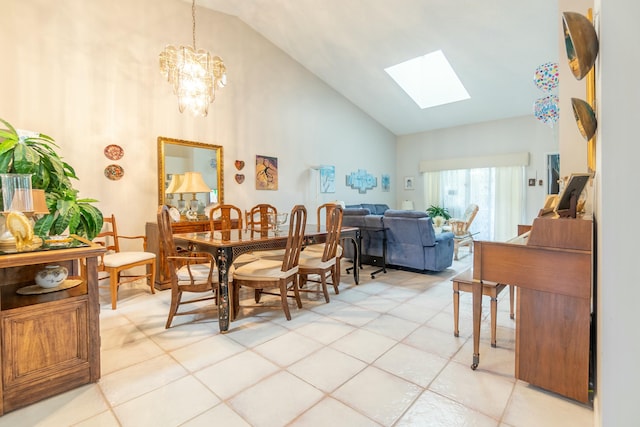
(194, 74)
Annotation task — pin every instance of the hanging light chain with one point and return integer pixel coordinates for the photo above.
(193, 17)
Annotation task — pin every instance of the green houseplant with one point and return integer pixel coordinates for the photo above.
(435, 211)
(36, 155)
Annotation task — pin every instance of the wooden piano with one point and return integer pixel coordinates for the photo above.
(551, 266)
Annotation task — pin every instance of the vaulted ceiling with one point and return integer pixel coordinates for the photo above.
(494, 46)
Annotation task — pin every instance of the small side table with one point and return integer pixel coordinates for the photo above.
(462, 282)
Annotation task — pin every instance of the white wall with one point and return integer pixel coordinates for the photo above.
(513, 135)
(86, 73)
(618, 153)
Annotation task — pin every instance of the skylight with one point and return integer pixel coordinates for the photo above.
(429, 80)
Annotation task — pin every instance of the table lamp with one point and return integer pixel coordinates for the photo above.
(193, 183)
(407, 205)
(174, 184)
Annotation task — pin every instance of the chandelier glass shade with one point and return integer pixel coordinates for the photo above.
(194, 74)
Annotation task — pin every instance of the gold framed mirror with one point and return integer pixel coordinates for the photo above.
(179, 159)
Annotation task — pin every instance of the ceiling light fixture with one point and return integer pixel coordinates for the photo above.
(194, 74)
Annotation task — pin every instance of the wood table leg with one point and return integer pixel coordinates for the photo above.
(494, 314)
(224, 260)
(477, 315)
(456, 309)
(511, 296)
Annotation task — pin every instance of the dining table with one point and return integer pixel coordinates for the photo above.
(227, 245)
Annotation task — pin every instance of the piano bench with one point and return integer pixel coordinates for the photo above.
(463, 282)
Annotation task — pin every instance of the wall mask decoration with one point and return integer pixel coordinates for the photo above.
(585, 118)
(266, 173)
(362, 181)
(581, 42)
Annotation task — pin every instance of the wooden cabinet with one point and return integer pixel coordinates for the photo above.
(50, 342)
(163, 280)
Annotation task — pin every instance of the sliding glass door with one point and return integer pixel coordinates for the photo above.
(498, 192)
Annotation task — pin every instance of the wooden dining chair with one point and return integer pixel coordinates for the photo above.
(225, 218)
(281, 274)
(189, 271)
(257, 219)
(323, 213)
(323, 263)
(116, 261)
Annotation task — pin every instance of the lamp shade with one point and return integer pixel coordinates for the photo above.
(174, 184)
(193, 183)
(407, 205)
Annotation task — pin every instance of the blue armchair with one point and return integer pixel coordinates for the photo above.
(413, 243)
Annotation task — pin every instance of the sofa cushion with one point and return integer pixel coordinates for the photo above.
(357, 211)
(369, 206)
(381, 209)
(375, 209)
(405, 214)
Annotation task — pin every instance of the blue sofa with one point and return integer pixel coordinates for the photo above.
(374, 209)
(411, 240)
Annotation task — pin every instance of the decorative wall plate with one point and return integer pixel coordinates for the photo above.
(239, 164)
(239, 178)
(174, 213)
(113, 172)
(113, 152)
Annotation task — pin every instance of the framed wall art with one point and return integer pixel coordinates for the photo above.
(266, 173)
(327, 179)
(409, 182)
(385, 182)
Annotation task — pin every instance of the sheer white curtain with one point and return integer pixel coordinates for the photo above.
(509, 207)
(499, 193)
(431, 188)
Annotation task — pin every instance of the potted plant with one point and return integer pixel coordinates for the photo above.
(435, 211)
(36, 155)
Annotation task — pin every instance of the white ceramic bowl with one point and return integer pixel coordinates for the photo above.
(51, 276)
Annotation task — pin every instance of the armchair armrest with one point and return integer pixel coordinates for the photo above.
(192, 258)
(458, 227)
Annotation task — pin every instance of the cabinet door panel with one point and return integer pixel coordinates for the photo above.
(44, 343)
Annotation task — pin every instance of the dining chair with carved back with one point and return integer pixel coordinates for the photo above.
(116, 261)
(224, 218)
(282, 274)
(323, 214)
(324, 263)
(190, 271)
(257, 219)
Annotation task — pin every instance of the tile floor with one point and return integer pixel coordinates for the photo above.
(379, 354)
